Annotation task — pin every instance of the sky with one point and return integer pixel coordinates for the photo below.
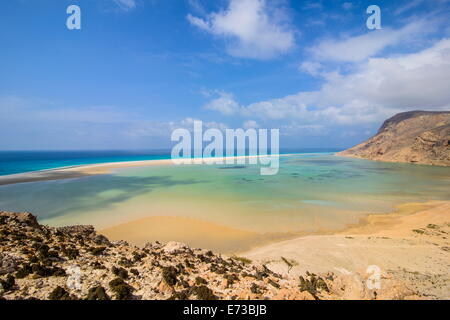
(138, 69)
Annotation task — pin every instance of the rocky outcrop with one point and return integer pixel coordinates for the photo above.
(71, 263)
(415, 137)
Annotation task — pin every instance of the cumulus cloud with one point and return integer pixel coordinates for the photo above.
(376, 89)
(224, 104)
(251, 28)
(362, 47)
(312, 67)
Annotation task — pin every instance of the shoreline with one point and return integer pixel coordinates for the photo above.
(79, 171)
(375, 224)
(343, 154)
(411, 244)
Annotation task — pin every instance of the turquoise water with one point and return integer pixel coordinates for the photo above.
(311, 192)
(12, 162)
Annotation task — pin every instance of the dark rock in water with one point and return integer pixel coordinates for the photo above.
(233, 167)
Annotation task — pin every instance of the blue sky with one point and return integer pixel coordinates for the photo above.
(140, 68)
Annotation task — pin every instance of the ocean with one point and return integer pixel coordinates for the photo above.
(12, 162)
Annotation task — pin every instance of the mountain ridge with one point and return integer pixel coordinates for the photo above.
(421, 137)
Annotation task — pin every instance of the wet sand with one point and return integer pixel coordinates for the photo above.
(196, 233)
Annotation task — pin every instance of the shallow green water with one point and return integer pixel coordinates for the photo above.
(311, 192)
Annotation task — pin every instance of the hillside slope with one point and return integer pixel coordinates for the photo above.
(416, 137)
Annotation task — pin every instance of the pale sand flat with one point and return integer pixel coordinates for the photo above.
(420, 258)
(193, 232)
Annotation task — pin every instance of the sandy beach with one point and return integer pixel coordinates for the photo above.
(76, 171)
(195, 232)
(411, 245)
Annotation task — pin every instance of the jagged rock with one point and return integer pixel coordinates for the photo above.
(8, 263)
(97, 293)
(121, 289)
(173, 247)
(101, 240)
(59, 293)
(85, 230)
(24, 218)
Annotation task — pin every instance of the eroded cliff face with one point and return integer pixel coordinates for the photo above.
(415, 137)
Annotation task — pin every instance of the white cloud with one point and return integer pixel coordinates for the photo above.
(362, 47)
(408, 6)
(197, 6)
(311, 67)
(225, 104)
(252, 28)
(377, 89)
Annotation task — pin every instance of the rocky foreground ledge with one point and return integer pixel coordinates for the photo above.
(72, 263)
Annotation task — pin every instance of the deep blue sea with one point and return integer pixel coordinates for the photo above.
(12, 162)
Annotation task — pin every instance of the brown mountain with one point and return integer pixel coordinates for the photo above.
(415, 137)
